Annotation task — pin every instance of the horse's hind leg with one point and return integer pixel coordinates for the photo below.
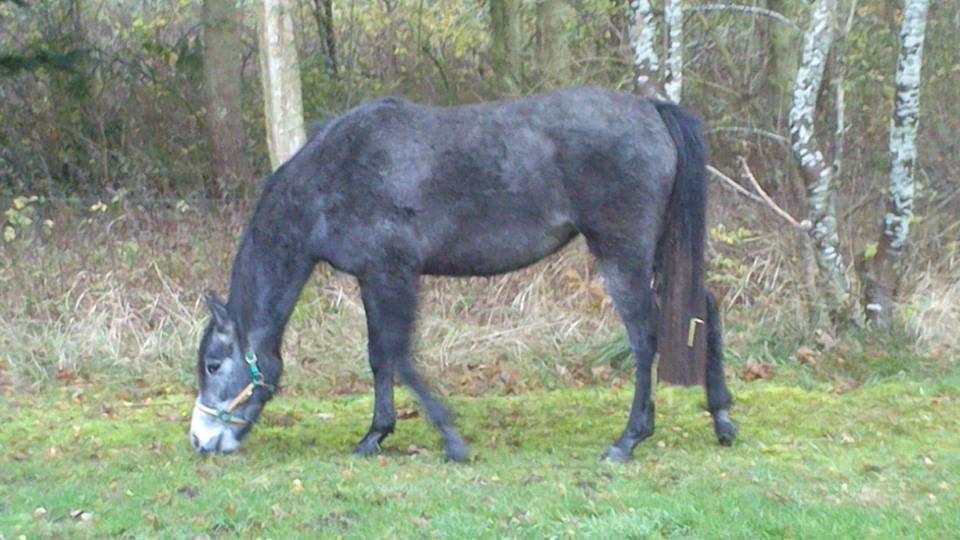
(390, 302)
(628, 282)
(718, 397)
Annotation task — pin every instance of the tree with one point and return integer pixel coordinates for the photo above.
(782, 63)
(817, 174)
(505, 44)
(222, 65)
(882, 281)
(643, 40)
(280, 74)
(553, 53)
(323, 14)
(673, 76)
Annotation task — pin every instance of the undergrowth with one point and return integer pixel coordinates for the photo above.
(113, 291)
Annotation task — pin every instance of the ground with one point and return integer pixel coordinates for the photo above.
(878, 461)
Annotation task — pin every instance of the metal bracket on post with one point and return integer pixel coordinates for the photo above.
(692, 332)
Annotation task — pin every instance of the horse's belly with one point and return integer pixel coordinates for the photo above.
(496, 251)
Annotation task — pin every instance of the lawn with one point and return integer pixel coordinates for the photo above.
(878, 461)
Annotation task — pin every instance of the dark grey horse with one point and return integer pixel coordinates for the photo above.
(391, 191)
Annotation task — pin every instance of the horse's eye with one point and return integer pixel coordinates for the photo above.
(213, 366)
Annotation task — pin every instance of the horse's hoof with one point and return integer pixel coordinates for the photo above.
(458, 451)
(367, 448)
(726, 429)
(615, 454)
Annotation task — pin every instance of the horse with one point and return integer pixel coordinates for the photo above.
(393, 190)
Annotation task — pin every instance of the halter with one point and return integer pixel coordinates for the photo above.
(226, 415)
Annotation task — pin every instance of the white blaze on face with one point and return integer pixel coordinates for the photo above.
(208, 434)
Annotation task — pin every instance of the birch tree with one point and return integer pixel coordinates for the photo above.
(816, 172)
(280, 74)
(886, 269)
(222, 65)
(643, 40)
(673, 80)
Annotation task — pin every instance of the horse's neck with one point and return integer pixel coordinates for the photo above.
(266, 283)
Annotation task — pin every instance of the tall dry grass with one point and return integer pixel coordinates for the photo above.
(115, 293)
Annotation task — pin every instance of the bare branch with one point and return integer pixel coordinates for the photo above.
(750, 10)
(733, 185)
(803, 226)
(750, 131)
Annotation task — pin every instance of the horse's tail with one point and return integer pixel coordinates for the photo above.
(680, 253)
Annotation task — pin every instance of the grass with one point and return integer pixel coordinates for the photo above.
(851, 437)
(877, 462)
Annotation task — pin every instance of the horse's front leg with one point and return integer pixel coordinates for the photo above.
(390, 301)
(384, 413)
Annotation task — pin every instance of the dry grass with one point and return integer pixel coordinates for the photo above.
(116, 293)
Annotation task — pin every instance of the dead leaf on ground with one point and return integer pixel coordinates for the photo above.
(757, 371)
(407, 414)
(414, 450)
(806, 356)
(80, 515)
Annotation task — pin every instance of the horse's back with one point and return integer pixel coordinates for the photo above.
(489, 188)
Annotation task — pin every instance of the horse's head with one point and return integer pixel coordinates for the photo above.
(232, 388)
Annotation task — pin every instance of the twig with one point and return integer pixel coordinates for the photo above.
(803, 226)
(750, 131)
(732, 184)
(750, 10)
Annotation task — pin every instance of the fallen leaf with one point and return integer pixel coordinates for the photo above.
(824, 340)
(806, 356)
(757, 371)
(80, 515)
(414, 450)
(406, 414)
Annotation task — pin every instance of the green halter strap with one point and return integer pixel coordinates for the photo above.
(226, 415)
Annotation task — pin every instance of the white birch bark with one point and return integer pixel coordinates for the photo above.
(280, 74)
(903, 127)
(673, 81)
(883, 280)
(816, 172)
(643, 39)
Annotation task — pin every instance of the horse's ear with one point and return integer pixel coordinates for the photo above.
(218, 310)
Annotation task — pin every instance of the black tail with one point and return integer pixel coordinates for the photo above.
(680, 254)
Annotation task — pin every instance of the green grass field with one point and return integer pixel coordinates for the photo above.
(880, 461)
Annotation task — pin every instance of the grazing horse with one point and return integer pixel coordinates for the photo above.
(392, 190)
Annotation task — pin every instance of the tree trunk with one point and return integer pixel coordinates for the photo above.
(643, 41)
(816, 172)
(280, 73)
(782, 64)
(673, 78)
(323, 14)
(222, 66)
(505, 46)
(553, 54)
(882, 280)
